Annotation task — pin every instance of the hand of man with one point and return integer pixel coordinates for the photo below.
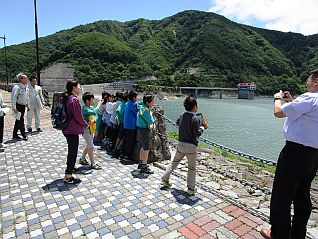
(279, 94)
(205, 125)
(287, 97)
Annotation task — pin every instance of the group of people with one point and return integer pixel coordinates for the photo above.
(116, 121)
(122, 119)
(25, 96)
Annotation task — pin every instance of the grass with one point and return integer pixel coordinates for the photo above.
(16, 219)
(174, 135)
(244, 160)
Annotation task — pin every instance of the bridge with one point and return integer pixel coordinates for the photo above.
(206, 91)
(244, 90)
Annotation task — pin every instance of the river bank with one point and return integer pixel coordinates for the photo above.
(247, 182)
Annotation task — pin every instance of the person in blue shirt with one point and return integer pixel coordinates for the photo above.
(145, 122)
(130, 116)
(120, 116)
(297, 163)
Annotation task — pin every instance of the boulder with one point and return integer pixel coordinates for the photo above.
(159, 148)
(229, 194)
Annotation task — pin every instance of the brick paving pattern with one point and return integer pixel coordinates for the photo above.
(114, 202)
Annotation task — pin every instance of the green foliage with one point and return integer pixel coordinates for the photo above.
(173, 135)
(218, 52)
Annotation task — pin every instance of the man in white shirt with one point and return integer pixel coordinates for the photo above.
(35, 103)
(19, 102)
(297, 163)
(2, 114)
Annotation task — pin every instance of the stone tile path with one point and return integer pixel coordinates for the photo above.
(115, 202)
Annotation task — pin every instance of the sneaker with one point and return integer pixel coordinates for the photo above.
(72, 180)
(39, 130)
(16, 138)
(165, 184)
(83, 161)
(116, 153)
(126, 159)
(146, 170)
(96, 166)
(30, 129)
(191, 191)
(25, 138)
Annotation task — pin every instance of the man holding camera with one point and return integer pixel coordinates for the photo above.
(297, 163)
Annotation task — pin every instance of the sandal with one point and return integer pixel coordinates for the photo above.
(72, 180)
(96, 166)
(83, 161)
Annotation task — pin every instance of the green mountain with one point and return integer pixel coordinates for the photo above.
(217, 52)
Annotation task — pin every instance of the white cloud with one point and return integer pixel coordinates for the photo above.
(283, 15)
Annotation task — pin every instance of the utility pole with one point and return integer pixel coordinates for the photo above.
(5, 57)
(37, 45)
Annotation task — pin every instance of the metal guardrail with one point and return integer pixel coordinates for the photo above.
(222, 147)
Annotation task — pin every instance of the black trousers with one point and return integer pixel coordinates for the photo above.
(296, 168)
(72, 145)
(19, 124)
(129, 142)
(1, 128)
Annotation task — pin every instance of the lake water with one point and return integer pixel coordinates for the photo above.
(245, 125)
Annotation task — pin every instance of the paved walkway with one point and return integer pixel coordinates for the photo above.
(114, 202)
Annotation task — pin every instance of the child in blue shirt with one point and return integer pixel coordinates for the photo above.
(130, 116)
(145, 122)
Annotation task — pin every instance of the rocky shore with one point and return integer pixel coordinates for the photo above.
(242, 180)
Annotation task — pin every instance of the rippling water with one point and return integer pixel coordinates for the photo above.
(245, 125)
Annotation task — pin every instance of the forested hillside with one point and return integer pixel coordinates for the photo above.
(217, 52)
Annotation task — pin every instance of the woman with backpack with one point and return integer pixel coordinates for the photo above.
(74, 128)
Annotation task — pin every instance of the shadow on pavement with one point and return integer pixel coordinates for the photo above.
(84, 170)
(183, 198)
(32, 133)
(58, 185)
(136, 174)
(11, 141)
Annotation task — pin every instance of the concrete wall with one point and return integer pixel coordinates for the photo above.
(245, 94)
(54, 78)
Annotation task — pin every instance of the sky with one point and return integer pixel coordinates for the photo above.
(17, 16)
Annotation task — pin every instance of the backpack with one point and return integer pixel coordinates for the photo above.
(59, 116)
